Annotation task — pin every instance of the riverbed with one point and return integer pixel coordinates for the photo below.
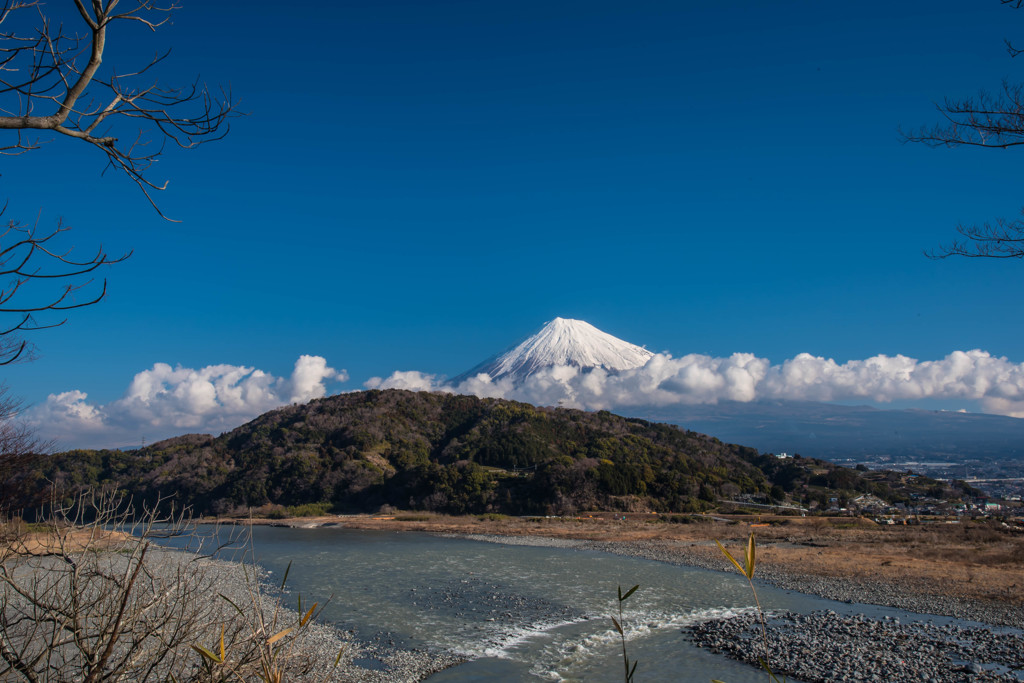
(533, 611)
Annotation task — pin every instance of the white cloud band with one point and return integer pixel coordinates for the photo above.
(970, 375)
(164, 401)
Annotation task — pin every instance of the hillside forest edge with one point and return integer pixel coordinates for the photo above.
(457, 454)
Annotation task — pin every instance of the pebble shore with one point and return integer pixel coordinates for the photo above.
(365, 660)
(207, 601)
(823, 647)
(375, 659)
(826, 647)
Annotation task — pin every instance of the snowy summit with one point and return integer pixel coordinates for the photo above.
(563, 342)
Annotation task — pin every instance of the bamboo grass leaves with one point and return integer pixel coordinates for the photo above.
(749, 560)
(630, 671)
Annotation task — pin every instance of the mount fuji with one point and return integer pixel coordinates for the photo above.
(822, 429)
(562, 342)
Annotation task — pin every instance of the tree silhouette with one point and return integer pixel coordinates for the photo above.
(54, 82)
(992, 120)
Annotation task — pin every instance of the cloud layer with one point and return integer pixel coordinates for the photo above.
(165, 401)
(995, 382)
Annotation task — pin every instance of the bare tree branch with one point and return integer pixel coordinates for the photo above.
(991, 121)
(986, 121)
(59, 282)
(1002, 239)
(94, 598)
(19, 448)
(53, 81)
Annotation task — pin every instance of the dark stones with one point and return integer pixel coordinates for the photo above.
(826, 646)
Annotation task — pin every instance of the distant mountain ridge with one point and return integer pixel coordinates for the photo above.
(452, 453)
(831, 431)
(562, 341)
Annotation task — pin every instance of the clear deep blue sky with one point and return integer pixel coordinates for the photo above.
(420, 184)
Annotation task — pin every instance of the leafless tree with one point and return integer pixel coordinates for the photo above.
(51, 80)
(54, 80)
(993, 120)
(39, 282)
(36, 279)
(96, 598)
(19, 448)
(1003, 238)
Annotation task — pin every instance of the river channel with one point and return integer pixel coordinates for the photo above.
(521, 612)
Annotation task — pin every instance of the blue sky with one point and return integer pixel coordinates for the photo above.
(420, 184)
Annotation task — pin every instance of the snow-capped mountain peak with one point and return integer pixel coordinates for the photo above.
(563, 342)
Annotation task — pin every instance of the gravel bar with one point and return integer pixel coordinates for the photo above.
(365, 660)
(198, 595)
(826, 647)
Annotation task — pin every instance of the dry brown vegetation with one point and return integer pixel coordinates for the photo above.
(91, 595)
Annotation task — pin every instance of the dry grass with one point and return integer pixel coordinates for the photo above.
(47, 543)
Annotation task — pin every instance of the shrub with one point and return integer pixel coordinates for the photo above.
(309, 510)
(95, 598)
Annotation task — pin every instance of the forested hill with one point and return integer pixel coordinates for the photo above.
(430, 451)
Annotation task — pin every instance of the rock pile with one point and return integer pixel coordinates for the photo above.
(827, 647)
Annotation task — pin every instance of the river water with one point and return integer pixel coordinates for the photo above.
(520, 612)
